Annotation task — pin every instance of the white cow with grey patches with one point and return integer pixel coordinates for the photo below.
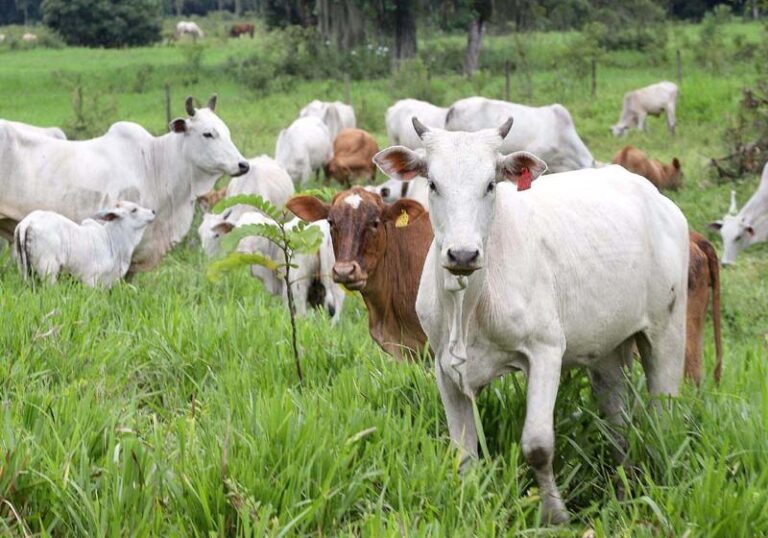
(568, 273)
(398, 121)
(97, 252)
(742, 229)
(652, 100)
(304, 147)
(545, 131)
(78, 178)
(335, 114)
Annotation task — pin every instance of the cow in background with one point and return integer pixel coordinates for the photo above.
(336, 115)
(652, 100)
(398, 121)
(663, 176)
(353, 152)
(241, 29)
(188, 28)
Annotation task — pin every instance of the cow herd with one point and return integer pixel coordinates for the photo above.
(471, 253)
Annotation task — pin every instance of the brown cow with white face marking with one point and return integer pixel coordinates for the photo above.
(380, 250)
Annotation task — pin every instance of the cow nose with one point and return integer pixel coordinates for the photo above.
(342, 271)
(463, 258)
(243, 166)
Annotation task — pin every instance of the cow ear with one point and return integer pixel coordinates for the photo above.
(403, 212)
(107, 216)
(308, 208)
(179, 125)
(223, 228)
(676, 163)
(520, 166)
(716, 225)
(399, 162)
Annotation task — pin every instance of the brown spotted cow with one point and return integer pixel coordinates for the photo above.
(353, 151)
(380, 250)
(663, 176)
(703, 274)
(242, 29)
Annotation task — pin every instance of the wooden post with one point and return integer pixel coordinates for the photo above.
(594, 77)
(167, 104)
(506, 81)
(347, 98)
(679, 67)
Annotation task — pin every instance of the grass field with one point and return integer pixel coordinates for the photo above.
(169, 406)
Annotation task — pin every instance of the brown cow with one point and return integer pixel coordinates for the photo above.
(241, 29)
(380, 250)
(663, 176)
(353, 151)
(703, 274)
(211, 198)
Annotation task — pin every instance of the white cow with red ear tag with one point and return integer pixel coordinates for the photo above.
(569, 272)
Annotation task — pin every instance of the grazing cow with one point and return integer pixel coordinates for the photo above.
(703, 274)
(29, 38)
(398, 121)
(380, 250)
(241, 29)
(304, 147)
(651, 100)
(546, 131)
(189, 28)
(568, 273)
(76, 179)
(336, 115)
(53, 132)
(353, 152)
(663, 176)
(97, 252)
(742, 229)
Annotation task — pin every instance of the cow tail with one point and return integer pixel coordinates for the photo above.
(714, 271)
(20, 246)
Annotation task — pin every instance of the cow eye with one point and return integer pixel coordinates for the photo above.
(134, 210)
(331, 223)
(208, 135)
(491, 187)
(432, 186)
(374, 224)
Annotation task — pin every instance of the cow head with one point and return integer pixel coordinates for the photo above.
(211, 229)
(128, 214)
(619, 129)
(736, 232)
(462, 171)
(674, 174)
(207, 143)
(359, 222)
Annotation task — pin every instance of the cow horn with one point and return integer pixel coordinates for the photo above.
(189, 104)
(506, 126)
(419, 127)
(733, 210)
(212, 102)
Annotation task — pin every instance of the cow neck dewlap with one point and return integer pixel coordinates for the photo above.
(457, 341)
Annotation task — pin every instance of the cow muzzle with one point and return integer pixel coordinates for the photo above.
(350, 275)
(462, 262)
(242, 168)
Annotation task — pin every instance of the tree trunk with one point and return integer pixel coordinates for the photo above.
(405, 30)
(474, 44)
(179, 6)
(238, 7)
(221, 5)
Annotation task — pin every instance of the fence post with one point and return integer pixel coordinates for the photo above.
(167, 104)
(679, 67)
(506, 81)
(594, 77)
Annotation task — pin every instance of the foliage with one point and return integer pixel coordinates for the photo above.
(413, 79)
(192, 52)
(104, 23)
(710, 51)
(93, 111)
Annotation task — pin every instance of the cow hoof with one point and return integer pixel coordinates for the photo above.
(553, 512)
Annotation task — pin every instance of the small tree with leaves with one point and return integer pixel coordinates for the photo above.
(301, 238)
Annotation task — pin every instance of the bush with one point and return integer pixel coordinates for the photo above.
(710, 51)
(93, 111)
(413, 79)
(105, 23)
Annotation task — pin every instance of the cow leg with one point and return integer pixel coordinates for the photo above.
(610, 392)
(671, 119)
(458, 412)
(538, 441)
(663, 354)
(641, 121)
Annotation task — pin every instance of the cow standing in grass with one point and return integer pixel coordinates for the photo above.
(653, 100)
(570, 272)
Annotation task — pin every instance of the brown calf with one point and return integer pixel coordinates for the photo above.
(703, 274)
(380, 250)
(663, 176)
(353, 152)
(241, 29)
(211, 198)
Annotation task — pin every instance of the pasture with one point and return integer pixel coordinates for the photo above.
(169, 405)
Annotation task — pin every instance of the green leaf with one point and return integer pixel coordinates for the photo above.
(265, 206)
(305, 239)
(326, 194)
(236, 260)
(271, 232)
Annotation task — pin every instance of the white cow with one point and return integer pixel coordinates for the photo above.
(393, 190)
(2, 39)
(97, 252)
(741, 229)
(76, 179)
(29, 38)
(546, 131)
(568, 273)
(189, 28)
(398, 121)
(265, 178)
(650, 100)
(336, 115)
(53, 132)
(304, 147)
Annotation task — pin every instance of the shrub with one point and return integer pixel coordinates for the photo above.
(710, 51)
(413, 79)
(92, 113)
(106, 23)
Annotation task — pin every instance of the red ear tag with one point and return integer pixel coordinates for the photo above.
(524, 181)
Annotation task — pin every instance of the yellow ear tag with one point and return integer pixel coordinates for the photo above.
(402, 220)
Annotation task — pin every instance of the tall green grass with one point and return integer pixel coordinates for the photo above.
(169, 406)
